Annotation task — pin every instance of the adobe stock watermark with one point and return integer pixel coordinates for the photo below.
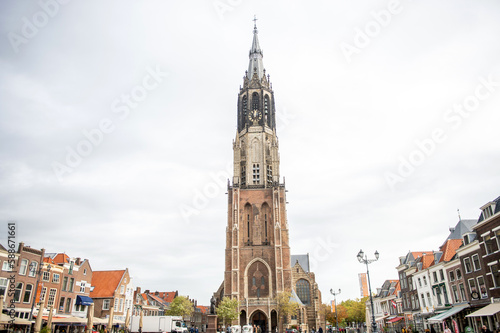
(121, 107)
(223, 6)
(453, 117)
(31, 26)
(219, 180)
(324, 248)
(363, 36)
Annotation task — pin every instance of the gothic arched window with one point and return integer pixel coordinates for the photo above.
(255, 101)
(245, 106)
(266, 109)
(303, 291)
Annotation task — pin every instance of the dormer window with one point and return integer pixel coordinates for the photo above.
(488, 209)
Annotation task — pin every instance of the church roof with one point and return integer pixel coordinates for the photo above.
(255, 65)
(295, 298)
(302, 259)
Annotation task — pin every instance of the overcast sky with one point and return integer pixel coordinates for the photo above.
(117, 120)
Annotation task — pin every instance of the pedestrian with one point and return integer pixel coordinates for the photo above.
(320, 330)
(485, 329)
(447, 330)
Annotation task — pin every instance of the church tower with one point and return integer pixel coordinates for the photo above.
(257, 265)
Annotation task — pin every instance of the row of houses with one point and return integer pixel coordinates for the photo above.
(457, 286)
(68, 285)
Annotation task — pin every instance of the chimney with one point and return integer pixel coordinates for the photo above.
(21, 245)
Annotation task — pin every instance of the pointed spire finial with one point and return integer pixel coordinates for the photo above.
(459, 218)
(254, 22)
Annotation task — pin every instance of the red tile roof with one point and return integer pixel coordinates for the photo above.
(427, 261)
(203, 309)
(49, 260)
(61, 258)
(167, 296)
(105, 283)
(449, 249)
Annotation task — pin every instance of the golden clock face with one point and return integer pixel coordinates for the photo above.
(255, 115)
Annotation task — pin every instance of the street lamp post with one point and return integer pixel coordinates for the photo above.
(335, 302)
(362, 258)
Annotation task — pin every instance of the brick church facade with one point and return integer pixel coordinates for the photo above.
(257, 257)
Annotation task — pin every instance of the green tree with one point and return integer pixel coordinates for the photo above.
(228, 309)
(355, 310)
(285, 307)
(180, 306)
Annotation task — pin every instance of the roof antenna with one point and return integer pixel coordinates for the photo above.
(459, 218)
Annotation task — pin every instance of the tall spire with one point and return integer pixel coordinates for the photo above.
(255, 65)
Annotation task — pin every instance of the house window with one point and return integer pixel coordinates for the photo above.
(434, 274)
(105, 304)
(482, 287)
(452, 276)
(256, 173)
(438, 295)
(495, 275)
(23, 267)
(82, 286)
(429, 301)
(46, 276)
(6, 266)
(68, 304)
(61, 304)
(121, 304)
(455, 293)
(497, 235)
(467, 265)
(33, 267)
(52, 297)
(462, 291)
(55, 278)
(420, 283)
(423, 300)
(490, 244)
(65, 283)
(71, 284)
(84, 271)
(27, 293)
(42, 293)
(122, 290)
(459, 274)
(472, 286)
(425, 281)
(475, 261)
(17, 292)
(115, 307)
(441, 274)
(3, 286)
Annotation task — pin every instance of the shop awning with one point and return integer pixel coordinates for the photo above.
(448, 313)
(488, 310)
(381, 318)
(393, 320)
(83, 300)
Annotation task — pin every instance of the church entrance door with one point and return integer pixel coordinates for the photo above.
(259, 319)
